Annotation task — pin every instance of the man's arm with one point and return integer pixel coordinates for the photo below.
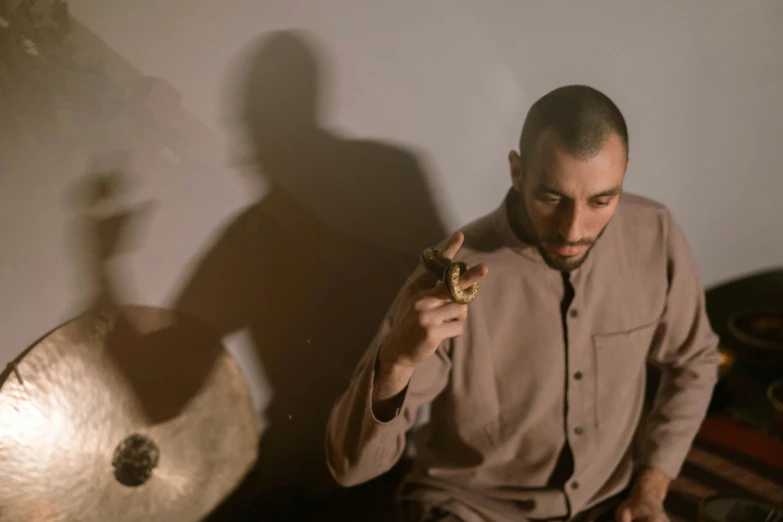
(685, 350)
(365, 435)
(405, 367)
(645, 501)
(686, 353)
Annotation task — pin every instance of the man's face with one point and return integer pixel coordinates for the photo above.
(568, 202)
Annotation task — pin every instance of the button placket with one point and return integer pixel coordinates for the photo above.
(576, 383)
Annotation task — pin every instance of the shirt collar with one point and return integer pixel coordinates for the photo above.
(502, 222)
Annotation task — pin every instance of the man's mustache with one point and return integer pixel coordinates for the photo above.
(563, 243)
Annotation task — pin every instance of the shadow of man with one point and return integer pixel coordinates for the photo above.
(310, 268)
(104, 227)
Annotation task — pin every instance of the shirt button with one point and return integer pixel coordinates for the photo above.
(573, 313)
(579, 430)
(578, 376)
(574, 485)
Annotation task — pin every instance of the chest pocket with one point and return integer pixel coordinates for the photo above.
(620, 359)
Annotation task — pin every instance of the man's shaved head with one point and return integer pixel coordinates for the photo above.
(581, 118)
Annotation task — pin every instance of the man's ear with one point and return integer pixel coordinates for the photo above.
(516, 170)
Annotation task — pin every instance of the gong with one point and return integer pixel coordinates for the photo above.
(126, 415)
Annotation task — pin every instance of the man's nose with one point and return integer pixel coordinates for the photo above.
(569, 225)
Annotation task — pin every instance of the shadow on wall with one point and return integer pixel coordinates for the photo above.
(371, 190)
(311, 267)
(105, 226)
(308, 270)
(66, 95)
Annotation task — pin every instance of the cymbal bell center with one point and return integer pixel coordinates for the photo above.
(134, 459)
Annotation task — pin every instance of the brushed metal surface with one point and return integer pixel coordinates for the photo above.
(81, 390)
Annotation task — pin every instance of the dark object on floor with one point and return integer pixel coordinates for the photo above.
(744, 313)
(759, 328)
(760, 332)
(731, 508)
(775, 398)
(729, 308)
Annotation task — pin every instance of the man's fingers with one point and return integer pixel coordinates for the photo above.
(422, 280)
(450, 329)
(453, 245)
(623, 514)
(472, 276)
(447, 312)
(433, 298)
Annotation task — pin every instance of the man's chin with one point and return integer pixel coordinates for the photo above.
(562, 263)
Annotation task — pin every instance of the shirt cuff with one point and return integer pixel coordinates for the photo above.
(393, 406)
(664, 459)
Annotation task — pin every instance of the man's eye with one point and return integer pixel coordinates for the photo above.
(600, 203)
(550, 200)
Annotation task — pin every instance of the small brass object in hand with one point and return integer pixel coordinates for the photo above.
(449, 272)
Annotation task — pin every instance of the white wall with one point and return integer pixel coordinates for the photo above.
(448, 82)
(699, 83)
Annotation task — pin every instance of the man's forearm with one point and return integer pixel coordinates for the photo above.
(680, 406)
(390, 380)
(651, 484)
(388, 387)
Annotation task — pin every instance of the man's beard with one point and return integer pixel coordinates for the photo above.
(567, 264)
(556, 262)
(564, 264)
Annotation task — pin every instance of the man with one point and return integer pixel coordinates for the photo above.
(537, 386)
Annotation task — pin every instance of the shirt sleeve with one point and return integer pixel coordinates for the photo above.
(359, 446)
(685, 350)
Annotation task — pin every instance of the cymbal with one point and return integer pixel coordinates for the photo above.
(77, 442)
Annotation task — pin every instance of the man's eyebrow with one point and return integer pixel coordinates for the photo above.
(553, 191)
(549, 190)
(607, 193)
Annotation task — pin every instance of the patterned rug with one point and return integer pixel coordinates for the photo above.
(727, 458)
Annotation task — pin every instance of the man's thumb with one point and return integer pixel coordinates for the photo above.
(624, 514)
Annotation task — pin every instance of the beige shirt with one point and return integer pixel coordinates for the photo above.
(546, 360)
